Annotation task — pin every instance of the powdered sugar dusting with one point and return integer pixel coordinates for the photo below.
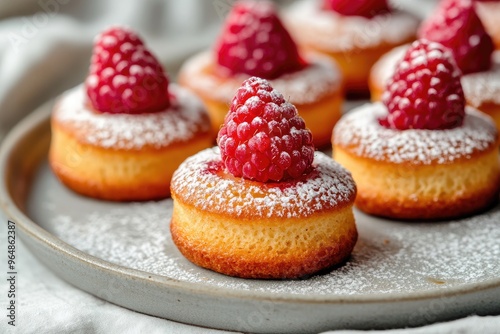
(390, 257)
(308, 85)
(479, 88)
(360, 133)
(329, 31)
(198, 182)
(185, 118)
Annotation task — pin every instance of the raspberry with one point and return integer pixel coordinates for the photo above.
(124, 76)
(254, 42)
(456, 25)
(263, 137)
(425, 91)
(366, 8)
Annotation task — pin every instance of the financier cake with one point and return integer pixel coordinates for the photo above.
(122, 134)
(354, 34)
(455, 24)
(263, 204)
(421, 154)
(254, 42)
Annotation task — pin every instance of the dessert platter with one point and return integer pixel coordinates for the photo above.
(150, 199)
(399, 274)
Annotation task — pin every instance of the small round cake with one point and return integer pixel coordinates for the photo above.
(311, 82)
(421, 154)
(481, 89)
(354, 35)
(122, 135)
(264, 205)
(416, 173)
(315, 90)
(252, 229)
(481, 81)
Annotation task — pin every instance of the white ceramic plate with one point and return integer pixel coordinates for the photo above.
(400, 274)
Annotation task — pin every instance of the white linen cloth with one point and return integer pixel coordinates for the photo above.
(48, 51)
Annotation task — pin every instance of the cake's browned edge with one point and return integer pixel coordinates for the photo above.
(459, 207)
(474, 203)
(305, 261)
(220, 262)
(122, 193)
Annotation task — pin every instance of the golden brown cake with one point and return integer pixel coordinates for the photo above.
(124, 157)
(251, 229)
(418, 173)
(353, 42)
(456, 25)
(421, 153)
(254, 42)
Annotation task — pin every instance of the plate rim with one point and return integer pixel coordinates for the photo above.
(35, 232)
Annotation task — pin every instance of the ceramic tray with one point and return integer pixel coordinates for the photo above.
(400, 274)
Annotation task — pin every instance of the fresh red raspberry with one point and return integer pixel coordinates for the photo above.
(255, 42)
(263, 137)
(425, 91)
(365, 8)
(456, 25)
(124, 76)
